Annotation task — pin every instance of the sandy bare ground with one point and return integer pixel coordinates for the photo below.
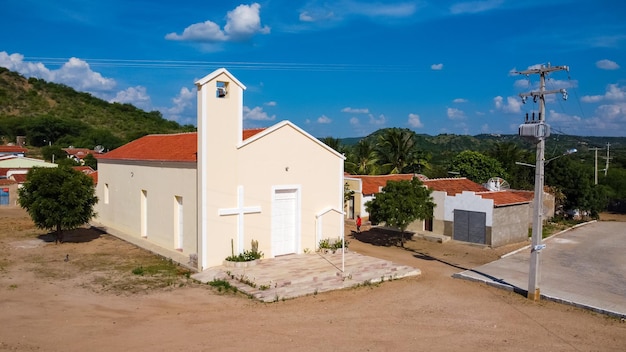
(94, 302)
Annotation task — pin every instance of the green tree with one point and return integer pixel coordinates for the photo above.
(397, 151)
(400, 203)
(362, 159)
(91, 161)
(58, 198)
(508, 153)
(477, 166)
(576, 182)
(53, 153)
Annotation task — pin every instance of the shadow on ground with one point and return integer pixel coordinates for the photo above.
(389, 238)
(382, 237)
(80, 235)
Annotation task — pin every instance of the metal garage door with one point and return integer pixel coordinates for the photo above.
(470, 226)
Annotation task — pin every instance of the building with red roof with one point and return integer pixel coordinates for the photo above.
(465, 210)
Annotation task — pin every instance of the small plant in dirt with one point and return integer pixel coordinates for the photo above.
(138, 271)
(222, 285)
(247, 255)
(324, 243)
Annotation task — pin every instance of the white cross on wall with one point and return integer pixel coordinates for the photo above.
(240, 210)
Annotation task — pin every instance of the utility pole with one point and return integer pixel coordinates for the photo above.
(607, 157)
(595, 178)
(537, 131)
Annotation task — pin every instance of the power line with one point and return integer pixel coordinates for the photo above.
(243, 65)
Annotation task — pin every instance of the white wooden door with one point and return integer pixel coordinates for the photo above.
(284, 221)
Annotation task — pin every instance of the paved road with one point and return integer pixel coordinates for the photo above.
(585, 267)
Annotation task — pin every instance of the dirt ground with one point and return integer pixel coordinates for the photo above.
(97, 293)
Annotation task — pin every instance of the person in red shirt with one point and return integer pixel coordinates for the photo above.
(358, 223)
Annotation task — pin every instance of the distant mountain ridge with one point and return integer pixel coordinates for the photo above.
(445, 145)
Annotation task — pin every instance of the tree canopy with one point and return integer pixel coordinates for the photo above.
(477, 166)
(58, 198)
(400, 203)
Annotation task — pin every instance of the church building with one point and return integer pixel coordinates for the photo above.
(204, 196)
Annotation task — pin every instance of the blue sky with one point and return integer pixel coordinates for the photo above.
(340, 68)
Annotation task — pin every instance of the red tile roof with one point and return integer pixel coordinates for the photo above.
(19, 178)
(12, 149)
(84, 169)
(502, 198)
(5, 170)
(251, 132)
(158, 147)
(371, 184)
(164, 147)
(80, 153)
(454, 186)
(7, 182)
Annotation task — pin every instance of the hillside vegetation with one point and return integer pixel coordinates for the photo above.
(50, 113)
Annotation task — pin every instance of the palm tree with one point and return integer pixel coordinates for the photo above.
(397, 150)
(363, 159)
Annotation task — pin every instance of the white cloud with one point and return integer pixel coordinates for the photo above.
(377, 9)
(183, 109)
(459, 100)
(592, 98)
(15, 62)
(455, 114)
(242, 23)
(324, 119)
(612, 112)
(75, 73)
(613, 93)
(607, 65)
(355, 110)
(136, 96)
(414, 121)
(474, 6)
(256, 114)
(436, 67)
(377, 121)
(270, 103)
(484, 128)
(512, 105)
(562, 118)
(354, 121)
(316, 15)
(338, 10)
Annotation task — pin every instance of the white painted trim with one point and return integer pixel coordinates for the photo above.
(203, 172)
(240, 210)
(284, 123)
(204, 80)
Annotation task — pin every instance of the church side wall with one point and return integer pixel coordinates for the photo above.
(162, 183)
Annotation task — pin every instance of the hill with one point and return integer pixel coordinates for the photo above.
(50, 113)
(445, 146)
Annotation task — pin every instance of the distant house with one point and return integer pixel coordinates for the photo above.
(465, 211)
(13, 170)
(14, 150)
(207, 195)
(365, 188)
(79, 154)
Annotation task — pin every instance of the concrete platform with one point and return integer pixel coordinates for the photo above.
(299, 275)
